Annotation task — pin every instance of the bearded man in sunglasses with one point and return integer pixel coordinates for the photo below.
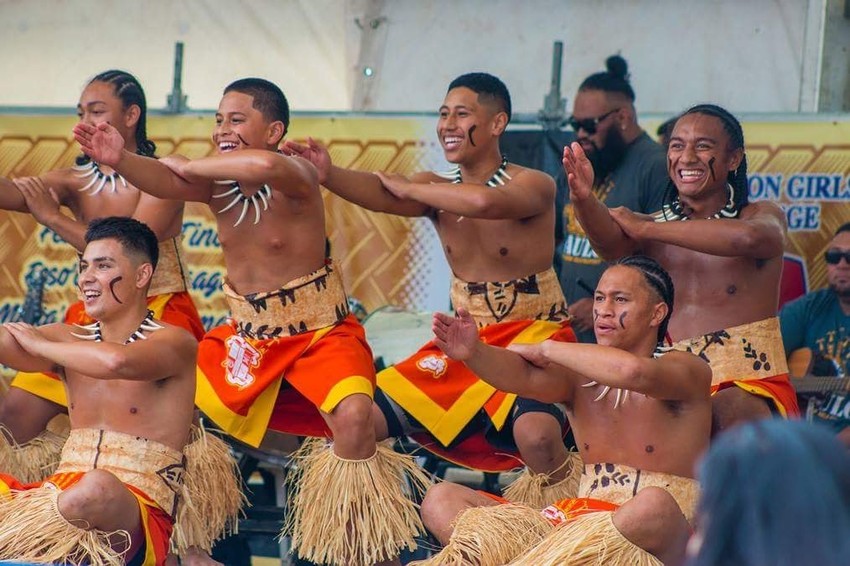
(820, 321)
(629, 170)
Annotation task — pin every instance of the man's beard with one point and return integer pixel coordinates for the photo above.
(842, 290)
(607, 159)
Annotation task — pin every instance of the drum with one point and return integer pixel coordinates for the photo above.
(395, 333)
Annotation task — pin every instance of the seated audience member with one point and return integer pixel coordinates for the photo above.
(820, 322)
(773, 492)
(641, 416)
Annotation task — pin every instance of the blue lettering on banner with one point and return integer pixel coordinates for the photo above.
(802, 217)
(206, 282)
(9, 312)
(764, 186)
(55, 275)
(200, 235)
(48, 237)
(211, 321)
(813, 186)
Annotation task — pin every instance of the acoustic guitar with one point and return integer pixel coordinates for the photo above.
(800, 366)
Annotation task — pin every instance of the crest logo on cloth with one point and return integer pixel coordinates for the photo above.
(241, 358)
(435, 364)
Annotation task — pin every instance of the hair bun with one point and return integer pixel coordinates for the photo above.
(618, 67)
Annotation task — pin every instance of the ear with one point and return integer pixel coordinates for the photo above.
(625, 116)
(736, 158)
(144, 273)
(659, 314)
(131, 115)
(500, 122)
(275, 132)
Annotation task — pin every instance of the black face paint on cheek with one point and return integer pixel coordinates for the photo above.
(711, 168)
(112, 289)
(241, 139)
(471, 139)
(622, 318)
(595, 314)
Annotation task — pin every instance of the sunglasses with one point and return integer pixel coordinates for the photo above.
(589, 125)
(832, 257)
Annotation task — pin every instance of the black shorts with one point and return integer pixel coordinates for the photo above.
(401, 423)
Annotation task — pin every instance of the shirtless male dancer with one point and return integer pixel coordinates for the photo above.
(496, 222)
(91, 190)
(723, 253)
(641, 415)
(130, 382)
(292, 358)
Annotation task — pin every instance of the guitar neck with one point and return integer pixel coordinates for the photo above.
(812, 385)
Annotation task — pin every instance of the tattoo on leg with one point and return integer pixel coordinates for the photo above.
(622, 318)
(112, 289)
(471, 139)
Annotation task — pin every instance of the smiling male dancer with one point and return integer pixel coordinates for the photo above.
(292, 358)
(495, 220)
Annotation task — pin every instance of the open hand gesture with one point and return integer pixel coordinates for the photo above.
(102, 142)
(398, 185)
(579, 172)
(314, 152)
(27, 336)
(42, 201)
(456, 336)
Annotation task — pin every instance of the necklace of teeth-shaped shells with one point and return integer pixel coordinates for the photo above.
(91, 169)
(675, 210)
(258, 199)
(498, 178)
(623, 394)
(94, 333)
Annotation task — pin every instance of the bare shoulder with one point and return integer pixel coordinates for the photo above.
(432, 177)
(763, 209)
(172, 336)
(693, 365)
(530, 179)
(303, 168)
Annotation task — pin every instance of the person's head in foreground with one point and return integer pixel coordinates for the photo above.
(774, 492)
(117, 265)
(631, 294)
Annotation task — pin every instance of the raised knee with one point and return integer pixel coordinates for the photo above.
(537, 440)
(85, 500)
(352, 416)
(435, 508)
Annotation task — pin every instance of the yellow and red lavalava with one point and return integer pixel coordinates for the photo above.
(282, 358)
(749, 356)
(444, 395)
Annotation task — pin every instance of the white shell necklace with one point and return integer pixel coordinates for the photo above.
(91, 169)
(261, 197)
(94, 333)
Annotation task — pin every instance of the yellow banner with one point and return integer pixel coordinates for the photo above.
(804, 166)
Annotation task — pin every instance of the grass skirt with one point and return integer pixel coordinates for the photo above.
(353, 512)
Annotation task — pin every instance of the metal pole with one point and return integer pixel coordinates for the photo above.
(176, 101)
(553, 115)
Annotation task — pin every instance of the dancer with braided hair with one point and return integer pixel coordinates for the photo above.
(292, 358)
(90, 190)
(641, 415)
(723, 252)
